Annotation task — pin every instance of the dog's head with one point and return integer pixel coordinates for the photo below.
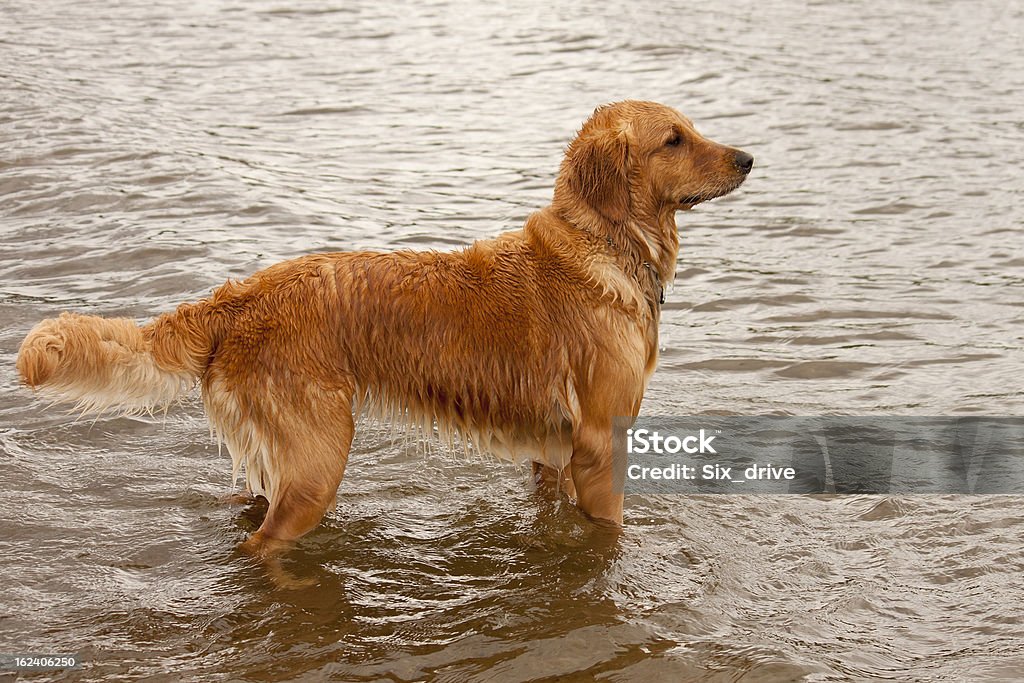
(638, 160)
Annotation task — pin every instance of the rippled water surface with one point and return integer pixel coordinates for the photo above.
(872, 264)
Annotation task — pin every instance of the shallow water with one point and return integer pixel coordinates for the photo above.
(872, 264)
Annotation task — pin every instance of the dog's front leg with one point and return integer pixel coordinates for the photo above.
(593, 473)
(547, 477)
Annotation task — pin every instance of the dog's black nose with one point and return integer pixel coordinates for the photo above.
(744, 162)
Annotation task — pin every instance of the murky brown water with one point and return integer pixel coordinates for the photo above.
(872, 264)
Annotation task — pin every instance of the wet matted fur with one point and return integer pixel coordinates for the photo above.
(525, 345)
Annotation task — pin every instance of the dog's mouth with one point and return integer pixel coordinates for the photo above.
(689, 201)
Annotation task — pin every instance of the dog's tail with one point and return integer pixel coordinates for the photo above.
(104, 364)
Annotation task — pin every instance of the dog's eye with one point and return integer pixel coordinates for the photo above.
(674, 141)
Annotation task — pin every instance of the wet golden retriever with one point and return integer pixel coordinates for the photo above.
(525, 345)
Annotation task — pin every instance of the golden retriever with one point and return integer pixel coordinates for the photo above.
(525, 345)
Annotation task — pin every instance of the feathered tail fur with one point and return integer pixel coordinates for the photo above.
(102, 364)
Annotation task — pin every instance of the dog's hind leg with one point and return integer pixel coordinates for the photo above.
(309, 463)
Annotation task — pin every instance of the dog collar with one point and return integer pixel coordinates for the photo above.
(659, 289)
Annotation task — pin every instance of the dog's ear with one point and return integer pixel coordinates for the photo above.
(596, 171)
